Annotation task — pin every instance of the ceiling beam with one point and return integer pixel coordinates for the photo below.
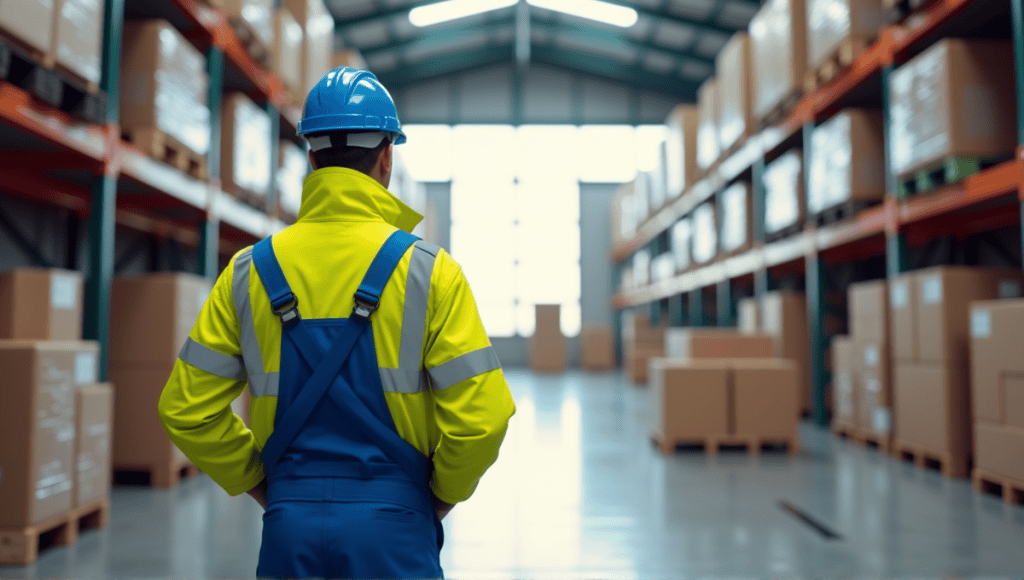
(603, 35)
(456, 62)
(636, 76)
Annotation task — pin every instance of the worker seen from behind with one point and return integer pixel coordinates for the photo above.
(377, 400)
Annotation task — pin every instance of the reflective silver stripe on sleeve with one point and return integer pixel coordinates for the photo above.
(261, 383)
(409, 376)
(206, 359)
(463, 367)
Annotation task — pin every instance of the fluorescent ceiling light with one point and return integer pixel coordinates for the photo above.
(452, 9)
(592, 9)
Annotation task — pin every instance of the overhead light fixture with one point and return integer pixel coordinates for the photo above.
(452, 9)
(593, 10)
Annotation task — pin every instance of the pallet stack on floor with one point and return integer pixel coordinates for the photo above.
(55, 418)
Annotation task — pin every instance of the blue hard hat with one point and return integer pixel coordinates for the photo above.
(350, 99)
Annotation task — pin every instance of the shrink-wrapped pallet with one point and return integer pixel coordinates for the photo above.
(642, 268)
(258, 16)
(682, 241)
(294, 167)
(245, 147)
(78, 37)
(318, 40)
(830, 22)
(847, 163)
(30, 22)
(778, 44)
(286, 55)
(783, 192)
(705, 234)
(734, 208)
(707, 130)
(735, 118)
(681, 167)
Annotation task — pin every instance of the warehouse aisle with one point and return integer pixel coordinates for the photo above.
(579, 492)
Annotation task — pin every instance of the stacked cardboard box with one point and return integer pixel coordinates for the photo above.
(245, 149)
(547, 346)
(997, 382)
(778, 45)
(784, 192)
(735, 107)
(848, 163)
(640, 343)
(834, 25)
(78, 37)
(844, 369)
(286, 54)
(317, 40)
(716, 343)
(597, 347)
(681, 169)
(705, 233)
(734, 207)
(150, 319)
(954, 99)
(872, 360)
(931, 329)
(255, 15)
(681, 241)
(94, 418)
(37, 304)
(30, 23)
(165, 84)
(623, 218)
(784, 318)
(291, 175)
(707, 128)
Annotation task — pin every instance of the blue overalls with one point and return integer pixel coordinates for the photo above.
(347, 496)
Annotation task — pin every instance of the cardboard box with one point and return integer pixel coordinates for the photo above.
(784, 317)
(953, 99)
(151, 316)
(997, 367)
(548, 345)
(735, 106)
(998, 449)
(164, 84)
(734, 206)
(844, 370)
(637, 329)
(37, 304)
(707, 129)
(873, 382)
(31, 22)
(681, 168)
(830, 22)
(778, 47)
(767, 402)
(37, 426)
(245, 147)
(597, 347)
(140, 440)
(943, 315)
(869, 310)
(94, 420)
(903, 318)
(784, 192)
(318, 39)
(690, 398)
(933, 407)
(286, 54)
(78, 37)
(636, 360)
(748, 316)
(715, 343)
(848, 162)
(705, 233)
(258, 15)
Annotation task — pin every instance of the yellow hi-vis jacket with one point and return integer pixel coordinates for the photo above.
(442, 380)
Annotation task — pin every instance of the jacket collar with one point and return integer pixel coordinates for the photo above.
(337, 194)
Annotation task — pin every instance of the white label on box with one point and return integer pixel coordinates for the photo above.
(981, 324)
(881, 420)
(63, 295)
(85, 368)
(1009, 289)
(898, 298)
(871, 356)
(931, 290)
(873, 385)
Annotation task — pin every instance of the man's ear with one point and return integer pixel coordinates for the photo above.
(385, 159)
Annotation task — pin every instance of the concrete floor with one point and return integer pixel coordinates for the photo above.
(579, 492)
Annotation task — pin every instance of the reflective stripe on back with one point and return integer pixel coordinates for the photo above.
(463, 367)
(261, 383)
(206, 359)
(409, 376)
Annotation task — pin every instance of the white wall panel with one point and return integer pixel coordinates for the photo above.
(426, 103)
(547, 96)
(604, 102)
(486, 96)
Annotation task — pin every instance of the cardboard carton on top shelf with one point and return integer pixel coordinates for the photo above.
(778, 45)
(953, 99)
(869, 310)
(932, 405)
(767, 402)
(318, 41)
(844, 370)
(943, 302)
(597, 347)
(78, 37)
(151, 316)
(286, 54)
(691, 398)
(681, 168)
(164, 84)
(37, 426)
(903, 299)
(245, 146)
(997, 367)
(707, 129)
(848, 162)
(998, 449)
(31, 22)
(735, 106)
(715, 343)
(38, 304)
(94, 421)
(830, 22)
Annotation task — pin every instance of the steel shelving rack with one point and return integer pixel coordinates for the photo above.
(994, 197)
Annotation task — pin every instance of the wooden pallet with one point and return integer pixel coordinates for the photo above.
(250, 40)
(21, 547)
(1011, 490)
(945, 463)
(784, 233)
(849, 49)
(719, 443)
(845, 432)
(870, 440)
(838, 213)
(781, 111)
(169, 475)
(945, 172)
(163, 147)
(40, 75)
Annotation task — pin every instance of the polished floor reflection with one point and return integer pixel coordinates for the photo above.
(579, 492)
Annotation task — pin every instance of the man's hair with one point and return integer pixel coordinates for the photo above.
(358, 158)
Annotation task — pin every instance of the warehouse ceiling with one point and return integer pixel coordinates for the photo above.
(670, 49)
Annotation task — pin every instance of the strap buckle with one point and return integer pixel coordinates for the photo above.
(364, 307)
(288, 312)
